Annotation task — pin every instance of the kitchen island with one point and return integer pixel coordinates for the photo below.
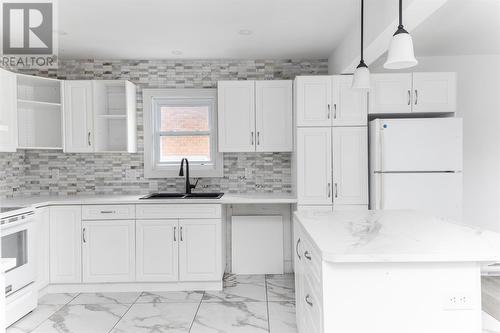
(388, 271)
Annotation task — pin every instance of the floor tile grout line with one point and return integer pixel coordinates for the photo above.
(196, 313)
(130, 307)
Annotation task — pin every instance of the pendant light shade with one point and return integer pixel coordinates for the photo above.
(401, 54)
(361, 79)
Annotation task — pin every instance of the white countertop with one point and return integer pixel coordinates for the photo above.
(227, 199)
(396, 236)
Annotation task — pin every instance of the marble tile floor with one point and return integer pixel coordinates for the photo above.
(250, 304)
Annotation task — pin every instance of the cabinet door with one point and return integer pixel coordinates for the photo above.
(299, 276)
(350, 165)
(78, 117)
(236, 116)
(434, 92)
(157, 250)
(108, 251)
(314, 166)
(42, 247)
(65, 244)
(273, 114)
(350, 107)
(200, 250)
(390, 93)
(314, 100)
(8, 111)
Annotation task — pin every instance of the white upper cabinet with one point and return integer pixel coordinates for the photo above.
(274, 116)
(314, 166)
(255, 116)
(8, 111)
(100, 116)
(390, 93)
(157, 250)
(313, 100)
(434, 92)
(78, 117)
(108, 248)
(200, 250)
(350, 166)
(236, 115)
(413, 92)
(350, 106)
(65, 244)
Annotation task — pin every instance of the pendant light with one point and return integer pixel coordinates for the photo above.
(361, 79)
(401, 54)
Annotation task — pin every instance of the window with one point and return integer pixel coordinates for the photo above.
(180, 123)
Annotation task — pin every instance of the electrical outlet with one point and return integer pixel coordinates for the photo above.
(54, 174)
(458, 302)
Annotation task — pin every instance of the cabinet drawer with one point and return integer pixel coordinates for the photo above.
(108, 212)
(179, 211)
(311, 259)
(312, 307)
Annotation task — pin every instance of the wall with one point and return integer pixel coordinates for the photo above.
(35, 172)
(479, 106)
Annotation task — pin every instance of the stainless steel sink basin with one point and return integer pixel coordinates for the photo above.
(165, 195)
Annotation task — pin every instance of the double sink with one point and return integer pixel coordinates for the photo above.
(165, 195)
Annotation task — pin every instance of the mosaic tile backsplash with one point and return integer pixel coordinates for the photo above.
(46, 172)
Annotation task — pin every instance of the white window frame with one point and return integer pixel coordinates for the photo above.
(152, 98)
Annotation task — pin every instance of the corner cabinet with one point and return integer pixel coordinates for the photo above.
(100, 116)
(413, 93)
(8, 112)
(255, 116)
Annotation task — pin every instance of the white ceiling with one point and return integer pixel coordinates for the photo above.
(203, 29)
(460, 27)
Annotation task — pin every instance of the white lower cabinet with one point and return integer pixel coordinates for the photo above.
(42, 247)
(157, 250)
(108, 251)
(200, 250)
(65, 244)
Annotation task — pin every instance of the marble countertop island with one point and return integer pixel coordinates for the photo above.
(396, 236)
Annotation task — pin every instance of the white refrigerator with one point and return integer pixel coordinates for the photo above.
(417, 164)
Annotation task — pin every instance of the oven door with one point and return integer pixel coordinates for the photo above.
(17, 242)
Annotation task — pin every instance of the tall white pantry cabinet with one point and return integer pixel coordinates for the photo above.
(331, 143)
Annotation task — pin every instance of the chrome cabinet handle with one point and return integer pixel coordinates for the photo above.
(308, 300)
(258, 138)
(181, 235)
(83, 236)
(416, 96)
(108, 211)
(175, 232)
(307, 255)
(297, 249)
(329, 190)
(88, 139)
(251, 137)
(328, 114)
(409, 97)
(335, 111)
(336, 190)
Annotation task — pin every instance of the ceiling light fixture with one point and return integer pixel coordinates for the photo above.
(401, 54)
(245, 32)
(176, 52)
(361, 79)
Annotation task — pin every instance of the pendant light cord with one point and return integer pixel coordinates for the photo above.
(400, 14)
(362, 28)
